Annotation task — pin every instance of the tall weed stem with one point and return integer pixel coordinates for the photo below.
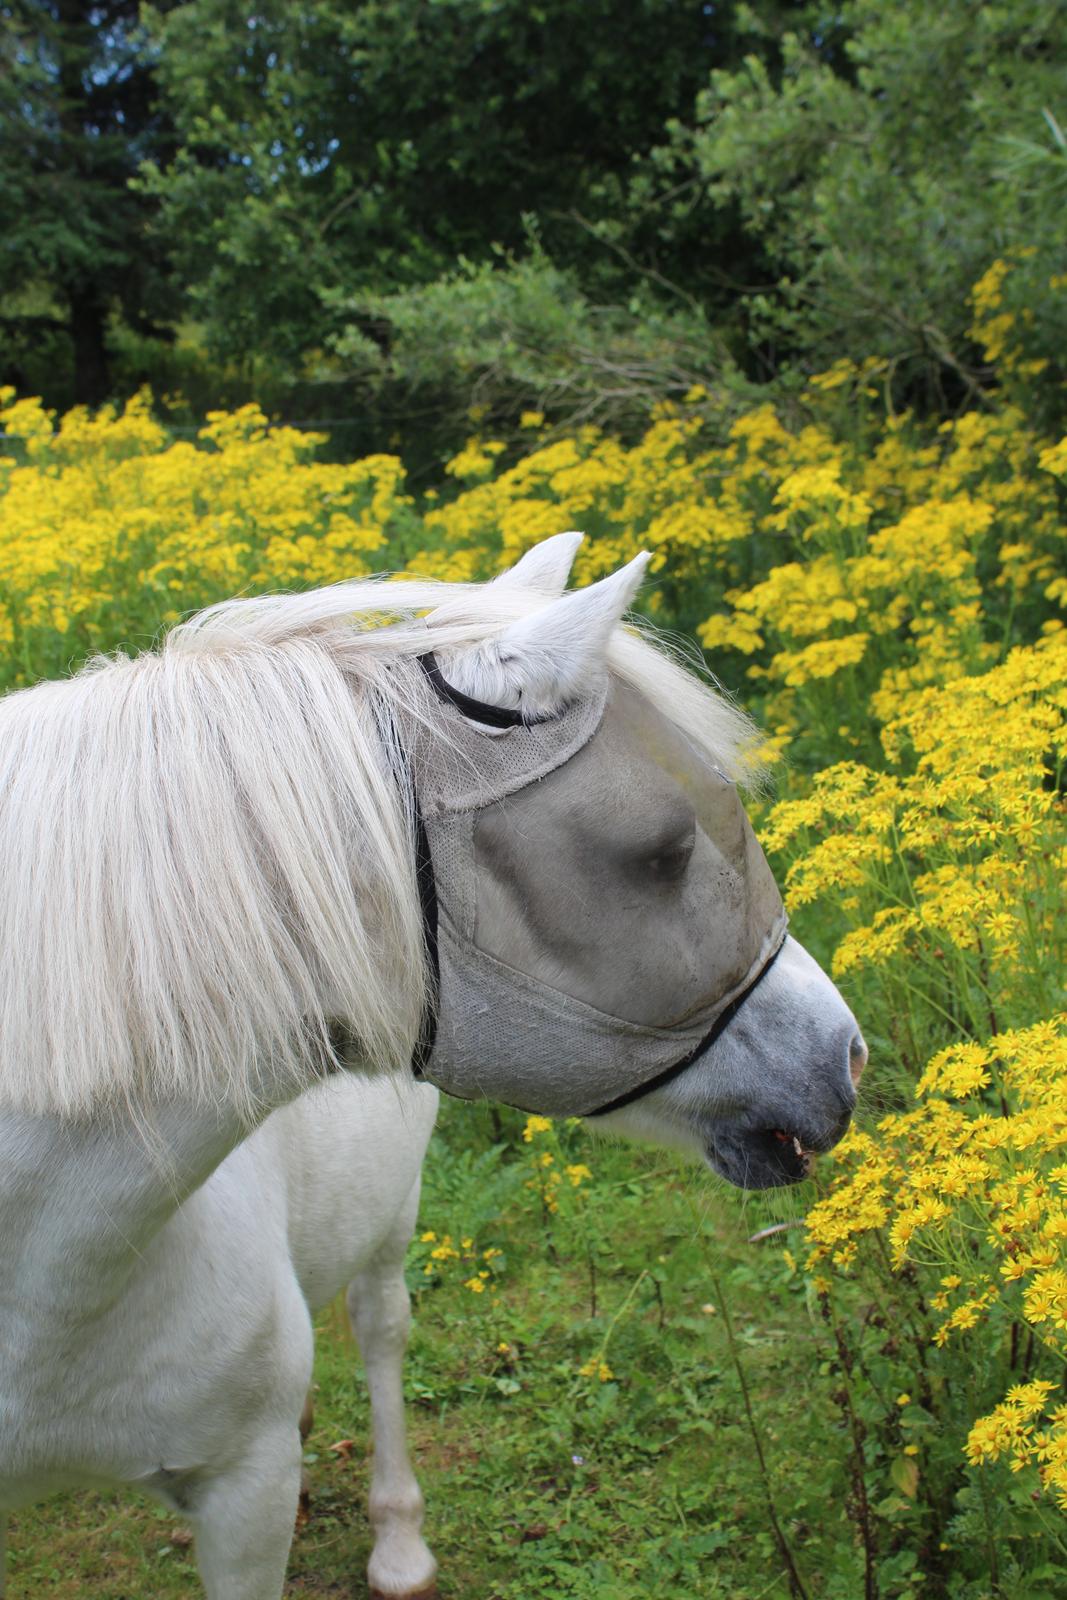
(796, 1585)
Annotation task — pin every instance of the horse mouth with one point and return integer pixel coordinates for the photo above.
(804, 1157)
(762, 1158)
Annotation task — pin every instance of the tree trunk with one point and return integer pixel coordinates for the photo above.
(92, 376)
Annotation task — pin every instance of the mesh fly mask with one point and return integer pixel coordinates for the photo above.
(488, 793)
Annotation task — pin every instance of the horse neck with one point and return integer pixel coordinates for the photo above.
(80, 1204)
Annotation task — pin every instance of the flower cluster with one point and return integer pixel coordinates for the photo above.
(109, 529)
(551, 1171)
(937, 868)
(480, 1265)
(1025, 1430)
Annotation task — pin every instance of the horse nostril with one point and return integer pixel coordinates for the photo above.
(857, 1057)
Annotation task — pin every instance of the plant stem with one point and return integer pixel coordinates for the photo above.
(859, 1483)
(796, 1586)
(991, 1544)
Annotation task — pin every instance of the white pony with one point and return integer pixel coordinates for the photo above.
(215, 976)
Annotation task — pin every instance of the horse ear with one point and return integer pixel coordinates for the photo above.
(550, 651)
(544, 659)
(546, 567)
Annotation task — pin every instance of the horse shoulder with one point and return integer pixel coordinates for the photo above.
(349, 1154)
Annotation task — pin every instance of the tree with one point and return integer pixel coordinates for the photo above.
(77, 117)
(331, 147)
(882, 176)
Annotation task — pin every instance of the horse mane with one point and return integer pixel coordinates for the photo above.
(206, 849)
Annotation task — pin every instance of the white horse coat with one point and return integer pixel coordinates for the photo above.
(170, 1354)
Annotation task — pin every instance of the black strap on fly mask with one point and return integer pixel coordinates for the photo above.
(476, 710)
(492, 717)
(721, 1022)
(428, 902)
(425, 886)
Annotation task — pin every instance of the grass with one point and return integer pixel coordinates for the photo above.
(541, 1481)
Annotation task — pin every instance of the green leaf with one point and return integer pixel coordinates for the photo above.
(904, 1474)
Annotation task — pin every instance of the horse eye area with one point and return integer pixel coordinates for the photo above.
(669, 865)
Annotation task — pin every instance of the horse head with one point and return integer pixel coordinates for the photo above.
(609, 938)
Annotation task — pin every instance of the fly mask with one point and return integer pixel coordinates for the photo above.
(543, 940)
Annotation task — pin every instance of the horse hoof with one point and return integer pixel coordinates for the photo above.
(429, 1593)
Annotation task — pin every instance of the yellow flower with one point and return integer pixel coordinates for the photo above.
(596, 1368)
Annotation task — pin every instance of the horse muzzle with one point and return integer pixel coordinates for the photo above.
(770, 1155)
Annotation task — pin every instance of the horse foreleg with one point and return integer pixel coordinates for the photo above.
(401, 1566)
(244, 1520)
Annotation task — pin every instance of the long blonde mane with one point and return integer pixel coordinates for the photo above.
(205, 850)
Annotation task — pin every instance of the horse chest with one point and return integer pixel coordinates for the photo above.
(125, 1358)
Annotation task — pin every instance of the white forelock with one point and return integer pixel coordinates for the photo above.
(205, 850)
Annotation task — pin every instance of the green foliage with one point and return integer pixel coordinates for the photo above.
(500, 338)
(661, 191)
(882, 175)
